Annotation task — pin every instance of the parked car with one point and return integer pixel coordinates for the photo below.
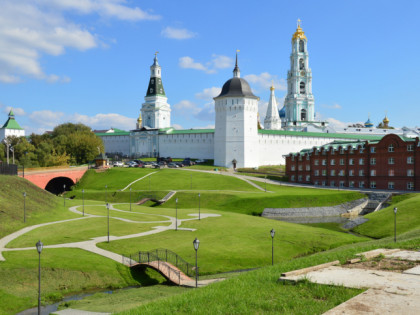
(118, 164)
(172, 165)
(187, 162)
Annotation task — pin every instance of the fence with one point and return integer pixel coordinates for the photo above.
(8, 169)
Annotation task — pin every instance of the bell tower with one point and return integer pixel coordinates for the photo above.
(299, 102)
(155, 111)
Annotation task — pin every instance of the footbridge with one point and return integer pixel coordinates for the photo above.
(167, 263)
(54, 179)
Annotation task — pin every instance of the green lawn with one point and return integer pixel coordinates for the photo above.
(80, 230)
(234, 241)
(381, 223)
(135, 214)
(41, 206)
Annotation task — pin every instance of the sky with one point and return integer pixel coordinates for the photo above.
(89, 61)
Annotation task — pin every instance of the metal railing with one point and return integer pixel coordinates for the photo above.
(8, 169)
(163, 255)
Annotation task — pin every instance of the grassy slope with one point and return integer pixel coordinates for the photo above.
(41, 206)
(381, 223)
(235, 241)
(64, 271)
(259, 291)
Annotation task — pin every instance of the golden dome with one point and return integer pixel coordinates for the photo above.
(386, 120)
(139, 120)
(299, 33)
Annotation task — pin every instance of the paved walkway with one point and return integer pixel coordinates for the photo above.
(388, 293)
(90, 245)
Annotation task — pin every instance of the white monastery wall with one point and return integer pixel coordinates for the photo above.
(116, 144)
(192, 145)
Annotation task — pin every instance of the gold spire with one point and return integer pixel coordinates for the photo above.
(299, 32)
(139, 120)
(272, 86)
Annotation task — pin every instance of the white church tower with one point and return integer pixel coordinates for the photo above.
(299, 102)
(236, 126)
(155, 112)
(272, 119)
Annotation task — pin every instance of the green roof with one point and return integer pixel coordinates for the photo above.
(11, 123)
(186, 131)
(117, 132)
(321, 134)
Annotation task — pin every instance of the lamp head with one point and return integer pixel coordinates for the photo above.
(83, 191)
(196, 244)
(395, 210)
(176, 200)
(199, 195)
(107, 206)
(39, 247)
(272, 232)
(24, 194)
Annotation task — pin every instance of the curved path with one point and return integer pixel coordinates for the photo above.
(90, 245)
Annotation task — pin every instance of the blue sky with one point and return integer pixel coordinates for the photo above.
(88, 60)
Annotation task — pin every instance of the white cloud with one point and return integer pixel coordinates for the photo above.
(265, 79)
(16, 110)
(333, 106)
(206, 113)
(221, 62)
(177, 33)
(32, 28)
(186, 107)
(47, 120)
(216, 62)
(177, 127)
(189, 63)
(205, 127)
(209, 93)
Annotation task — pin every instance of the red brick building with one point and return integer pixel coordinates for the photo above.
(390, 163)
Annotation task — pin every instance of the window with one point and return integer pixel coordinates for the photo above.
(307, 157)
(391, 160)
(361, 173)
(316, 162)
(341, 184)
(351, 184)
(302, 112)
(341, 161)
(342, 151)
(293, 157)
(361, 150)
(316, 173)
(302, 90)
(341, 173)
(410, 147)
(391, 148)
(372, 172)
(300, 157)
(372, 149)
(373, 161)
(301, 64)
(373, 185)
(324, 172)
(410, 186)
(308, 178)
(292, 178)
(390, 185)
(332, 183)
(323, 183)
(316, 183)
(410, 172)
(410, 160)
(351, 173)
(308, 167)
(324, 162)
(293, 168)
(361, 161)
(351, 161)
(301, 46)
(391, 173)
(299, 178)
(300, 167)
(332, 172)
(361, 184)
(332, 162)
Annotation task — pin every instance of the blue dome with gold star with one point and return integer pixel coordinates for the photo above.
(368, 123)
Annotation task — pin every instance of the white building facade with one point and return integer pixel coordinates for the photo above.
(11, 128)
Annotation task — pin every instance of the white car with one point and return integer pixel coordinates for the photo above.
(118, 164)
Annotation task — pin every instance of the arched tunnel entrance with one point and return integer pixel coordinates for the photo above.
(56, 185)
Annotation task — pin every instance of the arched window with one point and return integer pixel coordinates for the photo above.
(302, 88)
(303, 114)
(301, 64)
(301, 46)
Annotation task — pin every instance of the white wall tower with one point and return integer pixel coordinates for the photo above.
(272, 119)
(156, 111)
(236, 133)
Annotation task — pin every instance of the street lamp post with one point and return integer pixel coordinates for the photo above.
(196, 243)
(83, 201)
(64, 197)
(13, 153)
(130, 198)
(106, 194)
(39, 247)
(395, 224)
(199, 206)
(107, 207)
(191, 182)
(176, 214)
(272, 232)
(24, 207)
